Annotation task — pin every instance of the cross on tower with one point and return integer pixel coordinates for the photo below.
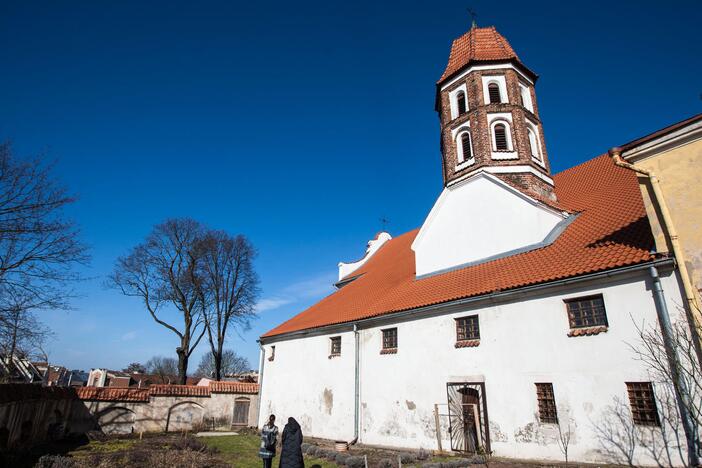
(473, 15)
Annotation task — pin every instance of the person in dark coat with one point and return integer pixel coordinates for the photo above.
(290, 447)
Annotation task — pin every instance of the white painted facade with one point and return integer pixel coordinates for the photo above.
(479, 218)
(522, 341)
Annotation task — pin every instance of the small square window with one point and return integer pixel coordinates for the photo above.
(335, 346)
(585, 312)
(389, 339)
(643, 403)
(467, 328)
(548, 413)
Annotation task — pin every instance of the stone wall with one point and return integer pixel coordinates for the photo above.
(31, 414)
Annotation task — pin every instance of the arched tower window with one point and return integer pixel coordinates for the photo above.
(464, 147)
(500, 137)
(461, 101)
(533, 144)
(494, 93)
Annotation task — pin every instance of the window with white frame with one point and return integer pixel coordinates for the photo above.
(534, 147)
(464, 147)
(461, 103)
(525, 95)
(494, 93)
(501, 136)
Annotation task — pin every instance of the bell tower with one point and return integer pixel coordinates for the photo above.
(489, 118)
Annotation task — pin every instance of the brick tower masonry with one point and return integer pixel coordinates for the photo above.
(489, 117)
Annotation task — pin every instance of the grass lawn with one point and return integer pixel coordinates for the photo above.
(242, 451)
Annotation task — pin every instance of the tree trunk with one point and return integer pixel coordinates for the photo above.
(218, 364)
(182, 365)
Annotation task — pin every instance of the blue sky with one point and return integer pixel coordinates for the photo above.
(297, 124)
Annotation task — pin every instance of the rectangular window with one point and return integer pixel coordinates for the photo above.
(586, 312)
(272, 356)
(643, 403)
(335, 346)
(547, 403)
(467, 328)
(390, 338)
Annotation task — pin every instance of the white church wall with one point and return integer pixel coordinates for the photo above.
(476, 219)
(521, 343)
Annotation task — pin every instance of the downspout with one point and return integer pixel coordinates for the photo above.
(357, 385)
(681, 391)
(669, 228)
(261, 364)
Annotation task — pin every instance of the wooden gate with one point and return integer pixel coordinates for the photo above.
(241, 412)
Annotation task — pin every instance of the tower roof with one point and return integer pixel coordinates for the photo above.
(480, 45)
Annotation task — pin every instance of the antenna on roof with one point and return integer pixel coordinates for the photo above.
(384, 223)
(473, 15)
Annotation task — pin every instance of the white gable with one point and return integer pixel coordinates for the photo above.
(478, 219)
(345, 269)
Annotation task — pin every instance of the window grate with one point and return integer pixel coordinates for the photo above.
(335, 346)
(547, 403)
(643, 403)
(587, 312)
(461, 100)
(390, 338)
(465, 146)
(467, 328)
(500, 137)
(494, 92)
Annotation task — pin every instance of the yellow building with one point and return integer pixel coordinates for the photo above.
(669, 163)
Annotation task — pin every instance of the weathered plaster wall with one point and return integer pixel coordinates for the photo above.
(522, 342)
(679, 171)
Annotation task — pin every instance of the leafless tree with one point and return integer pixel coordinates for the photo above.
(675, 371)
(231, 363)
(162, 271)
(135, 367)
(229, 288)
(566, 425)
(165, 368)
(39, 246)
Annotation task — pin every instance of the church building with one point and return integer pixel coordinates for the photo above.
(508, 322)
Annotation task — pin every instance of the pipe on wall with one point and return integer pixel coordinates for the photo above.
(261, 364)
(682, 394)
(357, 385)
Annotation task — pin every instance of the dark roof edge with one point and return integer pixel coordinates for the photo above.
(661, 132)
(493, 296)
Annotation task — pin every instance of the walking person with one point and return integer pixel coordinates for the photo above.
(291, 446)
(269, 439)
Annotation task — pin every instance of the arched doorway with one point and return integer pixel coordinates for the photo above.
(116, 420)
(468, 425)
(184, 416)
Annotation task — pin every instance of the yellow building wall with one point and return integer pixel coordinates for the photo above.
(679, 171)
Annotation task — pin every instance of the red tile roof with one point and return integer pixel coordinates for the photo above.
(611, 231)
(179, 390)
(113, 394)
(233, 387)
(478, 45)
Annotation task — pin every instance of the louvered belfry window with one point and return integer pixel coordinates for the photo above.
(461, 99)
(500, 137)
(465, 146)
(494, 92)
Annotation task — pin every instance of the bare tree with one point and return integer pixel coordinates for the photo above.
(39, 246)
(229, 289)
(165, 368)
(566, 429)
(231, 363)
(135, 368)
(162, 271)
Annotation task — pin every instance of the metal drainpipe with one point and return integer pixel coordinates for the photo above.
(357, 386)
(681, 392)
(678, 253)
(261, 364)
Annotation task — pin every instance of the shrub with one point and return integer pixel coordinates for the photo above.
(408, 458)
(304, 446)
(312, 450)
(431, 465)
(385, 463)
(341, 458)
(355, 462)
(423, 454)
(54, 461)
